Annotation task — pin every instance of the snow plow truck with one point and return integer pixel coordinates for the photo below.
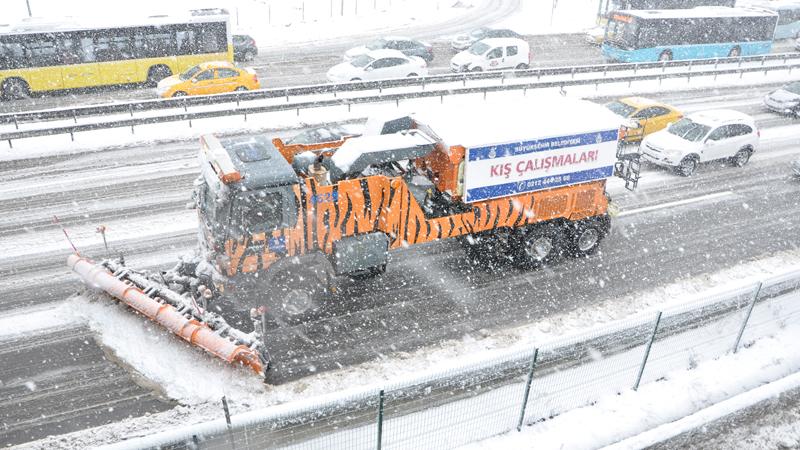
(279, 224)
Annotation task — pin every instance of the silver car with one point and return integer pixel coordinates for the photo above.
(785, 100)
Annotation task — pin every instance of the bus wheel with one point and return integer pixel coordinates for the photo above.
(16, 89)
(179, 94)
(156, 74)
(735, 52)
(666, 55)
(240, 89)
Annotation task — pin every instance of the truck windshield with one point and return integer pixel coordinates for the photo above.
(259, 211)
(691, 131)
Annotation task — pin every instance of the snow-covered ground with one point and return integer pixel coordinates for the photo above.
(159, 356)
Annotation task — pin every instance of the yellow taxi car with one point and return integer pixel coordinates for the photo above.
(646, 116)
(208, 78)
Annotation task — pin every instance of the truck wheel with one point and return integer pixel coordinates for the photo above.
(586, 236)
(539, 245)
(294, 294)
(481, 250)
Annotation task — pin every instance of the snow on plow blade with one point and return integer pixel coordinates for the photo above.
(165, 314)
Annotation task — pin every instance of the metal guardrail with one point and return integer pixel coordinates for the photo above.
(516, 388)
(381, 98)
(239, 97)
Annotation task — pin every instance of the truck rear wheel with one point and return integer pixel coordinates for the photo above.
(586, 235)
(295, 293)
(539, 245)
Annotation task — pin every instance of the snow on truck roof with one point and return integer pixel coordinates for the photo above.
(532, 118)
(700, 11)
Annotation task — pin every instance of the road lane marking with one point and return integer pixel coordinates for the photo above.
(687, 201)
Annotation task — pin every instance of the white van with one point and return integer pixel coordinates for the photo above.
(491, 54)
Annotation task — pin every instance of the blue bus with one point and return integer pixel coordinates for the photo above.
(788, 17)
(697, 33)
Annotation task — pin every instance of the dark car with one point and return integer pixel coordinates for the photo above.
(409, 47)
(464, 41)
(785, 100)
(244, 47)
(327, 133)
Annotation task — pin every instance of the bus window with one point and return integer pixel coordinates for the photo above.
(42, 50)
(12, 55)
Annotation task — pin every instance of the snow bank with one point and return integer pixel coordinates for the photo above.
(681, 394)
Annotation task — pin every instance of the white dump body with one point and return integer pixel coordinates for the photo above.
(529, 145)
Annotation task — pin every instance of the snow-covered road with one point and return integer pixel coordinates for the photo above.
(427, 296)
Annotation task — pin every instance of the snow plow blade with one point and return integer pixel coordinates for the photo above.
(213, 336)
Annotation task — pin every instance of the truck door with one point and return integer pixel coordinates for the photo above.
(257, 214)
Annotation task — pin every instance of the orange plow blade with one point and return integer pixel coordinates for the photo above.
(183, 324)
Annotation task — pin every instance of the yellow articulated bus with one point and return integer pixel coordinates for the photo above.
(41, 57)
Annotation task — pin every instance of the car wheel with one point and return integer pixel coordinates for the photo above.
(240, 89)
(355, 79)
(735, 52)
(179, 94)
(411, 75)
(666, 55)
(16, 89)
(476, 69)
(742, 157)
(687, 166)
(522, 66)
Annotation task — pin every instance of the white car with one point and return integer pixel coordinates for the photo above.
(378, 65)
(491, 54)
(700, 137)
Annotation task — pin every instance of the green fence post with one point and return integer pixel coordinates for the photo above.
(747, 318)
(647, 352)
(380, 419)
(527, 389)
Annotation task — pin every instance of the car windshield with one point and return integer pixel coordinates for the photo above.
(686, 129)
(794, 88)
(477, 34)
(377, 44)
(361, 60)
(621, 109)
(189, 73)
(479, 48)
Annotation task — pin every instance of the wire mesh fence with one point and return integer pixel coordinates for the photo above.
(478, 400)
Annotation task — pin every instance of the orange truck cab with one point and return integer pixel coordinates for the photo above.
(281, 222)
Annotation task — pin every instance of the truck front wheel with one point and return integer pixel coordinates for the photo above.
(294, 294)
